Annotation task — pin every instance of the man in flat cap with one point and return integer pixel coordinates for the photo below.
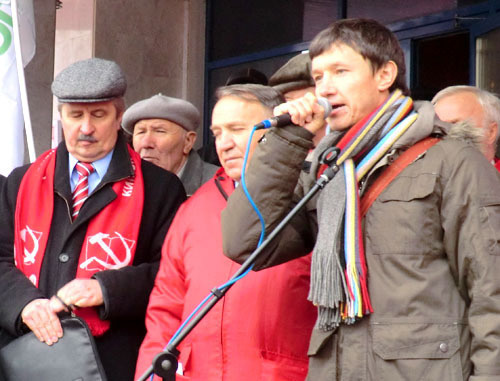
(83, 226)
(163, 132)
(294, 80)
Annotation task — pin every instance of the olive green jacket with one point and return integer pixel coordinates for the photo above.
(432, 244)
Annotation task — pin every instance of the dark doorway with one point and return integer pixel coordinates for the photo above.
(440, 62)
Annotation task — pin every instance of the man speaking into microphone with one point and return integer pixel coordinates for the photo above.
(405, 237)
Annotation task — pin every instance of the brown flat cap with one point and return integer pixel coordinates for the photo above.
(294, 75)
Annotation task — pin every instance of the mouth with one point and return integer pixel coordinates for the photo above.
(336, 108)
(231, 159)
(150, 158)
(86, 142)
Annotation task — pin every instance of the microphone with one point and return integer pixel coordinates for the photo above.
(286, 119)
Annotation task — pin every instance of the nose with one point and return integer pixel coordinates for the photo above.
(326, 86)
(87, 128)
(225, 141)
(145, 141)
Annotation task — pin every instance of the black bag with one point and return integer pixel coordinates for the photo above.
(73, 358)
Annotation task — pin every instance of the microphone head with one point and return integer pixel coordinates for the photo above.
(323, 102)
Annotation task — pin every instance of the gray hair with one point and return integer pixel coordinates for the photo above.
(266, 95)
(488, 101)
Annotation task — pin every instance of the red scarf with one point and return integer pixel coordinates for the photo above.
(497, 163)
(111, 236)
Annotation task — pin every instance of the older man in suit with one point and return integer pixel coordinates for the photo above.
(83, 226)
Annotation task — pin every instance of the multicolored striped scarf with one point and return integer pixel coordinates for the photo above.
(338, 269)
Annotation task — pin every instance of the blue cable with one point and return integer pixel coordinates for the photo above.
(244, 186)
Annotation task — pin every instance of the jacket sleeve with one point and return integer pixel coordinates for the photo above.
(166, 304)
(16, 290)
(272, 177)
(126, 291)
(470, 214)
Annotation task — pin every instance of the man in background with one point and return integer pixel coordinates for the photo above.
(478, 107)
(294, 80)
(163, 132)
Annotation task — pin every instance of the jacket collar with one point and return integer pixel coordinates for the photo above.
(192, 172)
(224, 183)
(426, 124)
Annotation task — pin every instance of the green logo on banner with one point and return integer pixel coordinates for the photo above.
(5, 32)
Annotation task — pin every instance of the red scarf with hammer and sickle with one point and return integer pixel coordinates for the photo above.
(111, 237)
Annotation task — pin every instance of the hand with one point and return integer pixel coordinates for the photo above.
(42, 320)
(79, 293)
(305, 112)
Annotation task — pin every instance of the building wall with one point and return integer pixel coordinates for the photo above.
(39, 74)
(159, 44)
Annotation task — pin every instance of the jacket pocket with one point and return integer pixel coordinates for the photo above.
(406, 188)
(411, 203)
(417, 352)
(490, 219)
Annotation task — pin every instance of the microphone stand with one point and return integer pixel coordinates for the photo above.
(165, 363)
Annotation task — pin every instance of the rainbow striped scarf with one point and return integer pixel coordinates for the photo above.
(338, 269)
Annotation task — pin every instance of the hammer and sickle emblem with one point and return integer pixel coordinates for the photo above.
(29, 256)
(99, 239)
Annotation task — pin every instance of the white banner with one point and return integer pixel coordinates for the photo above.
(11, 110)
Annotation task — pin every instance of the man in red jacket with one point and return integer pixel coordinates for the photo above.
(260, 329)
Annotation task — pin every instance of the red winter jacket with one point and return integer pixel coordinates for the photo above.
(497, 163)
(259, 331)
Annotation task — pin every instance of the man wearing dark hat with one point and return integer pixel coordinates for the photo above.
(82, 226)
(163, 132)
(294, 80)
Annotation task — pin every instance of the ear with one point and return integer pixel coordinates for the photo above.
(119, 120)
(490, 133)
(189, 142)
(386, 75)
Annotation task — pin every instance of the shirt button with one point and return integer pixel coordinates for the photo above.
(63, 258)
(443, 347)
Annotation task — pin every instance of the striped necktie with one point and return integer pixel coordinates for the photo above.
(81, 191)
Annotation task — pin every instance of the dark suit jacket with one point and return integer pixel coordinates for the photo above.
(126, 291)
(196, 173)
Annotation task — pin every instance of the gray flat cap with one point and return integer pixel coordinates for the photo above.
(293, 75)
(160, 106)
(91, 80)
